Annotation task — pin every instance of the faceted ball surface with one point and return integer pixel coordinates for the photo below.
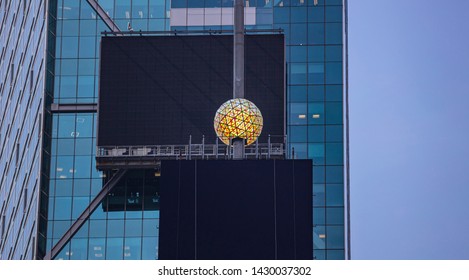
(238, 118)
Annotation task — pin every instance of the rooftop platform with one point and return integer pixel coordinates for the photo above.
(114, 157)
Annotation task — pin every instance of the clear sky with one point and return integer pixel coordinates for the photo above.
(409, 128)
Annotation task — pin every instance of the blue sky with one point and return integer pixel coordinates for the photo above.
(409, 128)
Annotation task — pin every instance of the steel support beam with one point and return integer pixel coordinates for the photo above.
(68, 108)
(102, 14)
(85, 215)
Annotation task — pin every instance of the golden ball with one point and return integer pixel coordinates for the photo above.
(238, 118)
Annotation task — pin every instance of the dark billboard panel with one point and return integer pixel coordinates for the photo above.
(158, 90)
(239, 209)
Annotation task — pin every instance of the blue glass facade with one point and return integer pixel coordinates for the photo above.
(22, 68)
(314, 32)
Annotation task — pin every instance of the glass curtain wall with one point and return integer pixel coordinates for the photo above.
(314, 50)
(70, 178)
(22, 64)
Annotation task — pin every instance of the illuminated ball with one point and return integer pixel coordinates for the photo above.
(238, 118)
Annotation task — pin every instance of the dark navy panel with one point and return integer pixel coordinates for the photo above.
(157, 90)
(236, 209)
(285, 201)
(177, 222)
(295, 232)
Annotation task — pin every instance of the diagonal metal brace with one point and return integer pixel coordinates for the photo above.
(100, 11)
(107, 188)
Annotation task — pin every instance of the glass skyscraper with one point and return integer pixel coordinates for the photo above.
(22, 67)
(49, 90)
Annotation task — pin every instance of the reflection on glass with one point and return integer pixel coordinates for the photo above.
(335, 237)
(114, 249)
(97, 249)
(149, 248)
(319, 237)
(78, 249)
(132, 248)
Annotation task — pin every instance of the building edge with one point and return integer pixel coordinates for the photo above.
(348, 253)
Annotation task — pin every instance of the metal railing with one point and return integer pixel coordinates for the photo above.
(150, 156)
(190, 151)
(190, 32)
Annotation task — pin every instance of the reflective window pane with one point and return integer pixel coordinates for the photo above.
(334, 14)
(334, 153)
(298, 94)
(335, 254)
(334, 53)
(64, 167)
(334, 73)
(149, 248)
(281, 15)
(334, 92)
(78, 248)
(319, 174)
(298, 113)
(333, 33)
(298, 53)
(65, 147)
(68, 87)
(63, 187)
(335, 216)
(115, 228)
(63, 208)
(299, 34)
(298, 73)
(97, 249)
(316, 73)
(82, 167)
(335, 195)
(316, 113)
(84, 125)
(335, 237)
(87, 47)
(298, 14)
(334, 113)
(315, 53)
(298, 150)
(150, 227)
(316, 133)
(334, 133)
(133, 227)
(79, 205)
(70, 28)
(60, 227)
(298, 133)
(334, 174)
(315, 93)
(133, 248)
(122, 9)
(316, 14)
(319, 254)
(86, 66)
(319, 237)
(316, 34)
(97, 228)
(319, 216)
(83, 146)
(114, 249)
(71, 9)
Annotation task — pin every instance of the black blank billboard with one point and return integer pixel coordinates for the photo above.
(158, 90)
(239, 209)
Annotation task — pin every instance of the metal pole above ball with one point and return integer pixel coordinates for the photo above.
(238, 67)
